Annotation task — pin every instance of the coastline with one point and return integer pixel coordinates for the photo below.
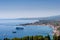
(55, 31)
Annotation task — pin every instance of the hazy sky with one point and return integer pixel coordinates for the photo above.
(29, 8)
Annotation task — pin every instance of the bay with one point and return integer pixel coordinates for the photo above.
(8, 26)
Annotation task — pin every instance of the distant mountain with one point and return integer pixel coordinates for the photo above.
(57, 18)
(39, 18)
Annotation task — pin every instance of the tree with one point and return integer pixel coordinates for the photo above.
(25, 38)
(55, 37)
(47, 37)
(30, 37)
(16, 39)
(58, 37)
(6, 39)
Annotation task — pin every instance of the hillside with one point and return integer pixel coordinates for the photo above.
(56, 18)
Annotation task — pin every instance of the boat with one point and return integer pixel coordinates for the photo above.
(14, 32)
(19, 28)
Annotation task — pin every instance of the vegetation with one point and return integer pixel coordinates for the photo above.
(6, 39)
(58, 28)
(30, 38)
(47, 38)
(56, 37)
(35, 38)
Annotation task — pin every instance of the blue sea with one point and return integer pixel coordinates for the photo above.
(8, 26)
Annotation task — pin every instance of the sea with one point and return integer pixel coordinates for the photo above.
(7, 27)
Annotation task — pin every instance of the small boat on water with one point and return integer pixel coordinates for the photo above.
(19, 28)
(14, 32)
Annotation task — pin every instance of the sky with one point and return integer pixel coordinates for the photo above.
(29, 8)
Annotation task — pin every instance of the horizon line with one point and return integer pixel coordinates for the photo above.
(28, 17)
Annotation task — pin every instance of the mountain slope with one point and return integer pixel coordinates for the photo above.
(57, 18)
